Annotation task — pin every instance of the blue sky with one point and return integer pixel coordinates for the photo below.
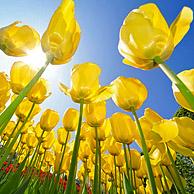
(100, 21)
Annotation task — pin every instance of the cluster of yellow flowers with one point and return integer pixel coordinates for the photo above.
(100, 154)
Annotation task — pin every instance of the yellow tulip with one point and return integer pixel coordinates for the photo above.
(103, 131)
(31, 140)
(158, 38)
(18, 40)
(135, 159)
(62, 135)
(187, 77)
(23, 109)
(39, 131)
(39, 92)
(85, 84)
(128, 93)
(70, 119)
(120, 160)
(114, 148)
(4, 90)
(57, 147)
(95, 113)
(49, 120)
(142, 171)
(20, 75)
(84, 150)
(9, 128)
(107, 164)
(122, 127)
(85, 131)
(62, 36)
(49, 141)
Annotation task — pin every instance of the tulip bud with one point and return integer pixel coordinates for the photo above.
(18, 40)
(31, 140)
(70, 119)
(20, 75)
(49, 120)
(128, 93)
(122, 128)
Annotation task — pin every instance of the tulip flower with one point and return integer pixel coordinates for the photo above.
(62, 135)
(62, 36)
(70, 119)
(122, 128)
(31, 140)
(84, 151)
(128, 93)
(95, 113)
(49, 141)
(4, 90)
(49, 120)
(157, 44)
(158, 40)
(39, 92)
(18, 40)
(85, 84)
(20, 75)
(114, 148)
(22, 110)
(85, 131)
(187, 77)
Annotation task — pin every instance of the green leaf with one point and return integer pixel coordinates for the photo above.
(13, 181)
(126, 184)
(23, 187)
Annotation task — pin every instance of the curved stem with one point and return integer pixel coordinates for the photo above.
(145, 151)
(72, 170)
(175, 79)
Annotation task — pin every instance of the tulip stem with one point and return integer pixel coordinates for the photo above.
(131, 173)
(127, 167)
(99, 157)
(145, 151)
(120, 185)
(96, 175)
(165, 181)
(135, 184)
(175, 169)
(115, 165)
(7, 114)
(189, 97)
(72, 170)
(42, 160)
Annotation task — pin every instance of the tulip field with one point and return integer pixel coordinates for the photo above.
(91, 153)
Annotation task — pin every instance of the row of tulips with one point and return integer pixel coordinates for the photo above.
(100, 156)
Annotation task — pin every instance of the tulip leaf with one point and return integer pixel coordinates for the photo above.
(13, 181)
(126, 184)
(23, 187)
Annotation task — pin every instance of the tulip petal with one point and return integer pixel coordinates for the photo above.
(64, 89)
(104, 93)
(181, 24)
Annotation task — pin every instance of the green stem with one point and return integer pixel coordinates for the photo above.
(175, 169)
(115, 165)
(42, 160)
(99, 157)
(175, 79)
(165, 181)
(131, 173)
(146, 155)
(96, 175)
(163, 189)
(173, 180)
(120, 185)
(135, 184)
(72, 170)
(127, 167)
(7, 114)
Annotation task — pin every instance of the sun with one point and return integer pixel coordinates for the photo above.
(35, 58)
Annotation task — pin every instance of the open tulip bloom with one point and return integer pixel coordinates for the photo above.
(37, 159)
